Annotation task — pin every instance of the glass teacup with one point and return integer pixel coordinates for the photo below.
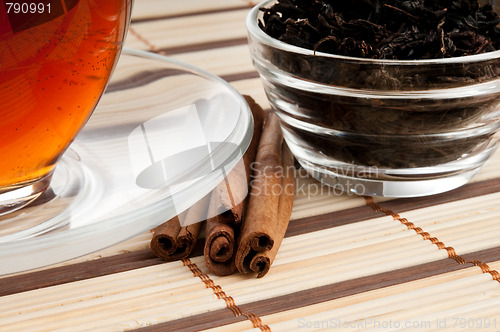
(55, 61)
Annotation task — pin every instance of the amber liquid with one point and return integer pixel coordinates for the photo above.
(53, 70)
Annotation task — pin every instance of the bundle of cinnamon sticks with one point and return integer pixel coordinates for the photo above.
(242, 237)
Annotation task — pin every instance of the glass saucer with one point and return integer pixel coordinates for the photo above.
(162, 137)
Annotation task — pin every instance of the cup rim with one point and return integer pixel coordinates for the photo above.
(255, 31)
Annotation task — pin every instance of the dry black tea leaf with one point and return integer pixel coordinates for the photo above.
(386, 29)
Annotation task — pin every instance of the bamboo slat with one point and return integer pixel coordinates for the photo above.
(111, 297)
(220, 61)
(197, 29)
(154, 9)
(379, 241)
(408, 300)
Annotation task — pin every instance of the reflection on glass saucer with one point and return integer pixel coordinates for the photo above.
(164, 134)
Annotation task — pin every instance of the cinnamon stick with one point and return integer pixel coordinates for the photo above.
(220, 233)
(260, 262)
(270, 203)
(219, 248)
(234, 188)
(172, 242)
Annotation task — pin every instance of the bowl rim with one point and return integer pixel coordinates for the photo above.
(255, 31)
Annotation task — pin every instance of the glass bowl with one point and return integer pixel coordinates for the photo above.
(395, 128)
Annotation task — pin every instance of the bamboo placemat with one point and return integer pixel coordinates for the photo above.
(346, 263)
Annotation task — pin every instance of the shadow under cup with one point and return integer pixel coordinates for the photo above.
(55, 62)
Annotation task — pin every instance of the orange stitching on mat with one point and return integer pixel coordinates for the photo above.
(150, 45)
(219, 292)
(251, 3)
(257, 322)
(485, 268)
